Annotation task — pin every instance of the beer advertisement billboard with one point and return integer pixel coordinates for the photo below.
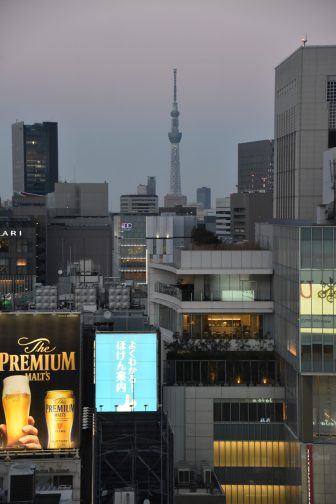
(39, 381)
(126, 371)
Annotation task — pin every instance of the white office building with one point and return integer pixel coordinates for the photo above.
(305, 126)
(223, 218)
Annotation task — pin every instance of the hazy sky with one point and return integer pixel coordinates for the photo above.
(103, 70)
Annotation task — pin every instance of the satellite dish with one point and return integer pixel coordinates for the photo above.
(146, 501)
(107, 315)
(60, 272)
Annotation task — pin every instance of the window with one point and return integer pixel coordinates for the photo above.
(4, 244)
(331, 91)
(332, 115)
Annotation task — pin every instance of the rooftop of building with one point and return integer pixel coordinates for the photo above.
(224, 246)
(305, 48)
(298, 223)
(138, 196)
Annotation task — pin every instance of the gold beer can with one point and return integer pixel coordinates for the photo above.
(59, 407)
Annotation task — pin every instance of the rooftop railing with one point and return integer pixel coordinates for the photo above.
(187, 293)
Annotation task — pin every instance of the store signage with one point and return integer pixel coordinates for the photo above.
(126, 226)
(11, 232)
(40, 381)
(310, 474)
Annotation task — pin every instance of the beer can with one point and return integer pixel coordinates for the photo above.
(59, 407)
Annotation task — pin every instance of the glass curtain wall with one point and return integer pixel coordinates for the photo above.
(317, 300)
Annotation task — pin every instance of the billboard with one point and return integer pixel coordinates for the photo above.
(126, 371)
(39, 381)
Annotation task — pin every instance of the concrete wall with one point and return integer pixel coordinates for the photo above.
(226, 261)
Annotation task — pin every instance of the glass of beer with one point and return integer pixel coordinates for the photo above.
(59, 413)
(16, 399)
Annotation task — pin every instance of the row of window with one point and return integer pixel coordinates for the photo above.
(317, 357)
(318, 248)
(221, 372)
(235, 411)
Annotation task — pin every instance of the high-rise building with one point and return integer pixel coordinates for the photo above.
(151, 185)
(141, 189)
(255, 166)
(221, 386)
(203, 197)
(35, 157)
(139, 204)
(78, 199)
(129, 251)
(304, 329)
(246, 210)
(149, 188)
(223, 218)
(167, 233)
(175, 197)
(305, 126)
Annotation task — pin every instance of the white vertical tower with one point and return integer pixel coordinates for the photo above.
(175, 196)
(175, 137)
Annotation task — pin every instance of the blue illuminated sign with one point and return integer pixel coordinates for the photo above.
(126, 371)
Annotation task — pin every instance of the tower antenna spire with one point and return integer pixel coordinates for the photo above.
(175, 138)
(175, 87)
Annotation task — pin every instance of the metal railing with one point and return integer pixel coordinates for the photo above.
(188, 293)
(169, 290)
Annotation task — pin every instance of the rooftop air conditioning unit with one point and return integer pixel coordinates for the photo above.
(184, 476)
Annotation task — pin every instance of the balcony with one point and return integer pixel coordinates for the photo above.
(187, 297)
(249, 292)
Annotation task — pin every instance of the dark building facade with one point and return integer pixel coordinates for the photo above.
(35, 157)
(130, 251)
(22, 259)
(246, 210)
(135, 454)
(79, 239)
(256, 166)
(151, 185)
(203, 196)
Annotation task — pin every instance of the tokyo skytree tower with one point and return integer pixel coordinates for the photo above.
(175, 137)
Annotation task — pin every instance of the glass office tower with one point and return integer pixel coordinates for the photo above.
(35, 157)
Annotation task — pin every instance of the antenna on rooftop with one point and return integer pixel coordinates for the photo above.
(304, 41)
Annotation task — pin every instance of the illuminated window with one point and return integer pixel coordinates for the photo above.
(21, 262)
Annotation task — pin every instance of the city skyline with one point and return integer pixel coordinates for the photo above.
(108, 86)
(180, 353)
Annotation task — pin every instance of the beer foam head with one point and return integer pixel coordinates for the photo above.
(17, 384)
